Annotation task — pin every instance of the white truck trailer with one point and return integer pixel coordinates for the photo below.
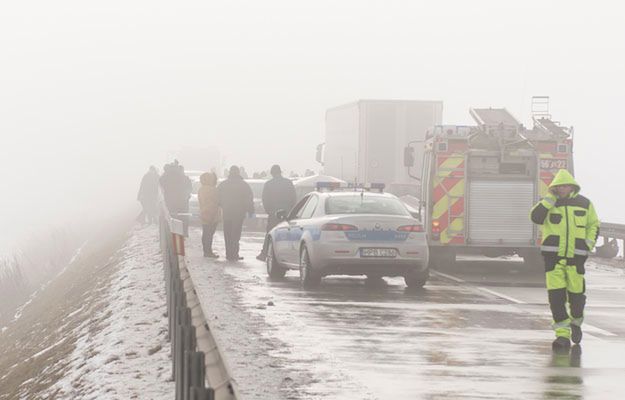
(365, 140)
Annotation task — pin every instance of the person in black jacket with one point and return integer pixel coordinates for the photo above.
(236, 200)
(278, 194)
(148, 196)
(177, 188)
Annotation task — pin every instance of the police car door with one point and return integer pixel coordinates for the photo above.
(298, 225)
(283, 244)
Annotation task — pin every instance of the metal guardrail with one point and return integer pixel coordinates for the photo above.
(611, 233)
(188, 330)
(609, 230)
(188, 364)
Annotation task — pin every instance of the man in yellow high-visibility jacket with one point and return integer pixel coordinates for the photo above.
(570, 228)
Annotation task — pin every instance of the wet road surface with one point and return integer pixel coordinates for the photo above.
(478, 330)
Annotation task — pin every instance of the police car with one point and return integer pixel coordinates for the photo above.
(360, 231)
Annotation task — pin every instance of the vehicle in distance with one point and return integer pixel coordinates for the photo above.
(355, 232)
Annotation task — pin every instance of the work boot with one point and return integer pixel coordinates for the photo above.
(576, 333)
(561, 345)
(212, 255)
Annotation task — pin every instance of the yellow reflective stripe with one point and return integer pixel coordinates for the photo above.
(443, 204)
(449, 165)
(550, 248)
(562, 324)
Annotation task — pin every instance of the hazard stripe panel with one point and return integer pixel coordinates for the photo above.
(448, 197)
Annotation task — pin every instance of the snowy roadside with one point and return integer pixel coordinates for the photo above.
(241, 334)
(97, 331)
(121, 351)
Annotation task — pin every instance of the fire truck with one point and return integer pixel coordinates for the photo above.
(480, 182)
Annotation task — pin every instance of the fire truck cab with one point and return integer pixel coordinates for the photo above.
(480, 182)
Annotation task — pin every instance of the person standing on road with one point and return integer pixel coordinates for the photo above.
(176, 187)
(236, 200)
(208, 199)
(278, 194)
(570, 228)
(148, 195)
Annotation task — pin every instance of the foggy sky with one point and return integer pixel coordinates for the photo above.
(91, 93)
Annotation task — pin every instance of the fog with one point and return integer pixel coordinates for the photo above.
(93, 93)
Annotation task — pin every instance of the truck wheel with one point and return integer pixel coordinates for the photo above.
(416, 279)
(307, 276)
(274, 269)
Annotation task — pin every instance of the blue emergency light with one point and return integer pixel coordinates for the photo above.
(328, 185)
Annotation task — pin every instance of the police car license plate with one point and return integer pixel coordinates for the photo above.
(373, 252)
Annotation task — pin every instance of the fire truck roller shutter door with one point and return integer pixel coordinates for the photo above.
(498, 212)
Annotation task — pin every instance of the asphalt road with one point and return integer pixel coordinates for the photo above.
(478, 330)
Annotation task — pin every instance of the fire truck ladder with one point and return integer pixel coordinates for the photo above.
(496, 121)
(500, 124)
(543, 121)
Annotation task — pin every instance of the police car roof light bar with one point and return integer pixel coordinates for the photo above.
(329, 186)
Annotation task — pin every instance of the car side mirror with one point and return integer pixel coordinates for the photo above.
(408, 156)
(281, 215)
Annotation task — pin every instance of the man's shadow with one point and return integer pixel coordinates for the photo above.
(563, 380)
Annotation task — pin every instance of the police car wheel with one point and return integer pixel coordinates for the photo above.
(274, 269)
(416, 279)
(307, 276)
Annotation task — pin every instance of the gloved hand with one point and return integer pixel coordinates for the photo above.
(549, 200)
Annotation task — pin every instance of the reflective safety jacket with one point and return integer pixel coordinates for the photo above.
(570, 226)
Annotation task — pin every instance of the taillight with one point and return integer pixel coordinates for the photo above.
(436, 227)
(410, 228)
(338, 227)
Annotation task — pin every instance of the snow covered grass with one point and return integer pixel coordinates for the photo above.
(122, 352)
(97, 330)
(25, 271)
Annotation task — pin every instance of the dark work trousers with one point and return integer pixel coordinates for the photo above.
(232, 235)
(272, 221)
(208, 230)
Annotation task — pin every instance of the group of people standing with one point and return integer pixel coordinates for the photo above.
(228, 202)
(232, 200)
(176, 188)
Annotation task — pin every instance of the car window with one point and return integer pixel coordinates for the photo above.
(297, 210)
(309, 208)
(363, 204)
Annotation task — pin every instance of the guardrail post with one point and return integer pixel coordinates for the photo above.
(185, 340)
(188, 369)
(200, 393)
(198, 370)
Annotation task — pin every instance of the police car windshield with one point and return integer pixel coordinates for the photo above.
(357, 204)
